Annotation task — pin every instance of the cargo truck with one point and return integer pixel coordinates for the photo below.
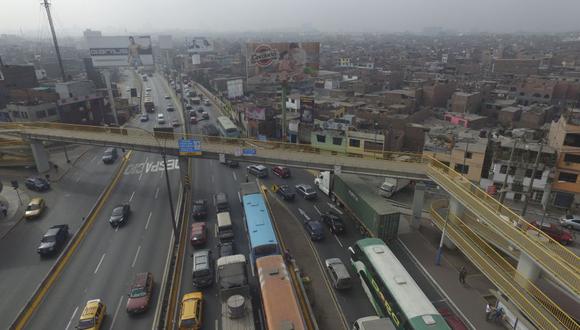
(391, 186)
(234, 292)
(358, 195)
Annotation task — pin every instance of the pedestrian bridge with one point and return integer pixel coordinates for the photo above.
(537, 251)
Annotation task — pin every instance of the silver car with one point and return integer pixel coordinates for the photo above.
(570, 222)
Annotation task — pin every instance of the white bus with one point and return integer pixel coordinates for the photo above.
(227, 128)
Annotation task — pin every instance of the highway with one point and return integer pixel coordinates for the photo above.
(107, 260)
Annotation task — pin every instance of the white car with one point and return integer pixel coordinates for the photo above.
(570, 222)
(167, 97)
(148, 89)
(161, 118)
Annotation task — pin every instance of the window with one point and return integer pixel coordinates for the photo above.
(570, 158)
(354, 143)
(15, 114)
(538, 195)
(51, 112)
(463, 169)
(503, 169)
(40, 114)
(572, 140)
(337, 141)
(24, 114)
(321, 138)
(568, 177)
(373, 146)
(528, 173)
(538, 175)
(512, 171)
(468, 155)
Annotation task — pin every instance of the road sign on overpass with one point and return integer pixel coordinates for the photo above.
(189, 147)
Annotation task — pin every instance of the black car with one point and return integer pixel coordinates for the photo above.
(210, 130)
(110, 155)
(200, 209)
(226, 249)
(53, 240)
(286, 192)
(120, 215)
(232, 163)
(333, 221)
(37, 184)
(306, 191)
(315, 229)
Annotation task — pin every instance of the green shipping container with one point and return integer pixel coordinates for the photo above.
(360, 197)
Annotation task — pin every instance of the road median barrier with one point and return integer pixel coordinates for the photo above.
(42, 289)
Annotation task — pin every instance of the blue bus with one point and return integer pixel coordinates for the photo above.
(261, 233)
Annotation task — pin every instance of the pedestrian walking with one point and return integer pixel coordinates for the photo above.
(488, 310)
(462, 275)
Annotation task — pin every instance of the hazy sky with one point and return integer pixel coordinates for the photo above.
(113, 16)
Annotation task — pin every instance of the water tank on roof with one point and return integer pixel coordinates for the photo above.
(236, 306)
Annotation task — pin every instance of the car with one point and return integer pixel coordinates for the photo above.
(140, 293)
(110, 155)
(338, 273)
(210, 130)
(148, 89)
(37, 183)
(170, 109)
(333, 221)
(556, 232)
(53, 240)
(226, 249)
(206, 102)
(34, 208)
(285, 192)
(570, 222)
(193, 120)
(92, 315)
(200, 209)
(175, 123)
(200, 109)
(191, 311)
(160, 118)
(204, 115)
(167, 97)
(220, 200)
(259, 171)
(281, 171)
(306, 191)
(144, 117)
(188, 107)
(314, 229)
(232, 163)
(120, 215)
(198, 234)
(451, 319)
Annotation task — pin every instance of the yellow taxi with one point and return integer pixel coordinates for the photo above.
(35, 208)
(190, 315)
(92, 315)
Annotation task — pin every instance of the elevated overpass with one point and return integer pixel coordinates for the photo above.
(536, 252)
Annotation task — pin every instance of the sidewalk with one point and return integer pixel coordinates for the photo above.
(15, 209)
(469, 299)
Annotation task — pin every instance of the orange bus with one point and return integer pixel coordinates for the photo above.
(279, 301)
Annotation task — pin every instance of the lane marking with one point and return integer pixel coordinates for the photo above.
(117, 229)
(317, 210)
(235, 176)
(78, 179)
(334, 208)
(240, 197)
(136, 256)
(93, 159)
(304, 214)
(72, 318)
(148, 219)
(212, 178)
(116, 312)
(216, 324)
(157, 193)
(132, 195)
(100, 262)
(140, 176)
(339, 242)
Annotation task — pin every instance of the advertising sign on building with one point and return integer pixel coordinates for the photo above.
(195, 59)
(306, 109)
(199, 45)
(120, 51)
(256, 113)
(268, 63)
(235, 88)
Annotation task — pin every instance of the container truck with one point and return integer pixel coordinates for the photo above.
(234, 292)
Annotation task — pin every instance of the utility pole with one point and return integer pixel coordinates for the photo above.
(46, 5)
(531, 186)
(507, 172)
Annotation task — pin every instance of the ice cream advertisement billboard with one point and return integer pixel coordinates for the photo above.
(116, 51)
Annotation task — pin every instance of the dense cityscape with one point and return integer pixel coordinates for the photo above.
(289, 180)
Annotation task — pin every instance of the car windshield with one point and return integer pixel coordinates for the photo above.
(138, 292)
(86, 324)
(33, 207)
(48, 239)
(118, 211)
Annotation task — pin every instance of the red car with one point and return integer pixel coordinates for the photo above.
(281, 171)
(452, 320)
(140, 293)
(198, 233)
(556, 232)
(193, 120)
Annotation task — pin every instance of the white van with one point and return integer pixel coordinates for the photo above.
(224, 226)
(160, 118)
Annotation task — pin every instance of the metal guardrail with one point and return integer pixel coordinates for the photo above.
(524, 294)
(551, 255)
(501, 264)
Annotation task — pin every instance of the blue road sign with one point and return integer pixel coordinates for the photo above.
(249, 152)
(189, 147)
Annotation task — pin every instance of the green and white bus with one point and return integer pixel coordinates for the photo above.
(227, 128)
(391, 290)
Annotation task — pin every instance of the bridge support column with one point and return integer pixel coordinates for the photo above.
(527, 267)
(418, 199)
(40, 156)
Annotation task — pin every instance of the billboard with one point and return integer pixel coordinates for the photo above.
(256, 113)
(282, 62)
(120, 51)
(235, 88)
(306, 109)
(200, 45)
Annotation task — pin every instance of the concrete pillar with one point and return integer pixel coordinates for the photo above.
(456, 208)
(527, 267)
(40, 156)
(418, 199)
